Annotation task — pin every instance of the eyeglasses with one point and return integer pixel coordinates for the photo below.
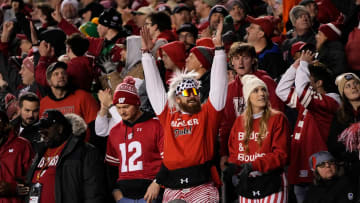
(187, 92)
(326, 163)
(349, 77)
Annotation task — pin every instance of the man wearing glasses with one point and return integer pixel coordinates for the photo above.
(189, 127)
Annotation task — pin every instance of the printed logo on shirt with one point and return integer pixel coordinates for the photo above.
(249, 158)
(65, 109)
(11, 150)
(51, 160)
(253, 136)
(303, 173)
(183, 127)
(350, 196)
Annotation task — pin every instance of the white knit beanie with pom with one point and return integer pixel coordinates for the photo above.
(250, 82)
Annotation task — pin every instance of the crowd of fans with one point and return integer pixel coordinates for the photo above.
(179, 101)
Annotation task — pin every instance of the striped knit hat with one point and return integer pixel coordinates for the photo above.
(205, 55)
(331, 30)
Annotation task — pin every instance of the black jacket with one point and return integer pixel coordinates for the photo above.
(332, 54)
(79, 173)
(337, 190)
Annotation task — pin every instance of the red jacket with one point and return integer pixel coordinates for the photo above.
(81, 73)
(15, 157)
(235, 106)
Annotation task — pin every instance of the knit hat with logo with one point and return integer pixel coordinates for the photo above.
(205, 55)
(218, 9)
(250, 82)
(126, 93)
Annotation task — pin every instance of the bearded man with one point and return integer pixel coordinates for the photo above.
(189, 127)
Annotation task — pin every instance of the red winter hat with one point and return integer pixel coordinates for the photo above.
(206, 42)
(11, 105)
(266, 24)
(331, 30)
(297, 47)
(205, 55)
(28, 63)
(126, 93)
(177, 53)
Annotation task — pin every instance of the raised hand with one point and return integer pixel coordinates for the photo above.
(307, 56)
(217, 39)
(56, 14)
(45, 49)
(146, 41)
(7, 28)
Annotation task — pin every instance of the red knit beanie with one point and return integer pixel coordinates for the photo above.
(205, 55)
(177, 53)
(206, 42)
(126, 93)
(331, 30)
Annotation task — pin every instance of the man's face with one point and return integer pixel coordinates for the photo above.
(237, 13)
(27, 76)
(169, 64)
(190, 104)
(187, 38)
(254, 33)
(182, 17)
(152, 28)
(128, 112)
(52, 135)
(25, 45)
(29, 112)
(140, 20)
(303, 22)
(199, 6)
(242, 64)
(59, 78)
(215, 20)
(192, 63)
(313, 9)
(86, 16)
(102, 30)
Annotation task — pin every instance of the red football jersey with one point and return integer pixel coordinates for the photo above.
(272, 154)
(189, 138)
(137, 150)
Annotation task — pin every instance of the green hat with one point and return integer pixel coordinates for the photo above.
(89, 29)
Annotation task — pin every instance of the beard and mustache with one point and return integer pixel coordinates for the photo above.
(192, 106)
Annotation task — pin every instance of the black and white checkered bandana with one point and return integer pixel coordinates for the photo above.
(186, 84)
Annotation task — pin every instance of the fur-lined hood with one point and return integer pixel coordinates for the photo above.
(175, 81)
(78, 124)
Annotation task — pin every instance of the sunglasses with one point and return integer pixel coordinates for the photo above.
(187, 92)
(349, 77)
(323, 164)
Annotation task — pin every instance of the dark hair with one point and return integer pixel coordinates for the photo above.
(162, 20)
(28, 96)
(5, 120)
(320, 72)
(47, 10)
(345, 113)
(241, 48)
(78, 44)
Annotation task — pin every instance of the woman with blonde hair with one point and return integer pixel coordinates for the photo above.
(258, 148)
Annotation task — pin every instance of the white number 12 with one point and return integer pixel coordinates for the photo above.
(135, 145)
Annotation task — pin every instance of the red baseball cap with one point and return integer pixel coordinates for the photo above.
(297, 47)
(264, 22)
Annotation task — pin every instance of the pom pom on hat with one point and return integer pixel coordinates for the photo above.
(126, 93)
(250, 82)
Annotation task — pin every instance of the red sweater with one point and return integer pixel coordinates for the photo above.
(15, 157)
(272, 154)
(80, 72)
(235, 106)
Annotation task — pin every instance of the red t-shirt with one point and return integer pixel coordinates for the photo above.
(189, 138)
(136, 150)
(45, 173)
